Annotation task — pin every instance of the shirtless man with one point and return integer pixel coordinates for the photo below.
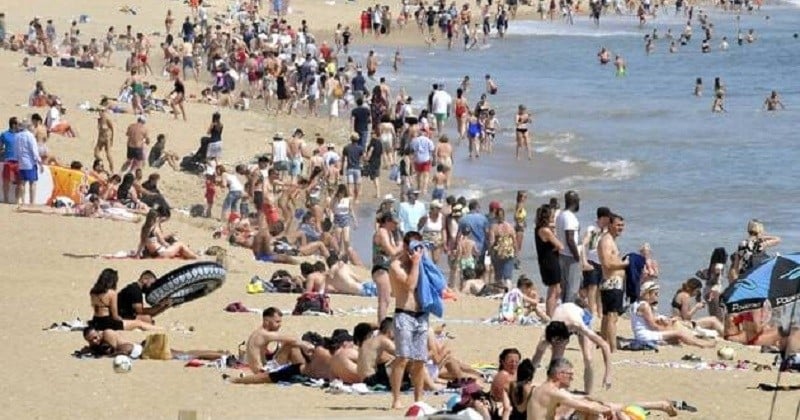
(295, 154)
(375, 352)
(344, 363)
(612, 286)
(283, 363)
(372, 65)
(138, 137)
(105, 138)
(552, 399)
(341, 279)
(142, 50)
(773, 102)
(410, 323)
(568, 319)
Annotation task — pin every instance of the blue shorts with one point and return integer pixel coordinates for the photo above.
(265, 257)
(295, 166)
(188, 62)
(354, 176)
(232, 200)
(29, 175)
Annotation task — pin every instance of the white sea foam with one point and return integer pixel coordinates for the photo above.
(540, 28)
(616, 169)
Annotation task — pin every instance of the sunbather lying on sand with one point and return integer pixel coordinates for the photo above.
(108, 343)
(91, 208)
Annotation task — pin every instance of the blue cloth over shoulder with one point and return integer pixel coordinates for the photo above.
(633, 276)
(430, 284)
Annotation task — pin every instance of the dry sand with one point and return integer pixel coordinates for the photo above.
(43, 285)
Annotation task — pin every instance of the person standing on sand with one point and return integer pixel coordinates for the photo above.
(423, 148)
(105, 138)
(567, 231)
(410, 322)
(612, 286)
(384, 249)
(138, 137)
(29, 162)
(10, 159)
(281, 364)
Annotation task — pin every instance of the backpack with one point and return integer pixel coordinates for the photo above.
(314, 302)
(282, 282)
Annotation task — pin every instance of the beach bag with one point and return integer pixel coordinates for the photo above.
(338, 92)
(312, 302)
(282, 282)
(156, 347)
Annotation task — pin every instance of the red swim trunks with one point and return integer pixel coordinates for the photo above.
(422, 166)
(11, 170)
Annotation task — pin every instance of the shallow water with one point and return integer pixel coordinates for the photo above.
(685, 179)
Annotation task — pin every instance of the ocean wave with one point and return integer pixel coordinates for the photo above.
(795, 3)
(616, 169)
(561, 29)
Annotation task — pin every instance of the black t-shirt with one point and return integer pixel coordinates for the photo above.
(127, 297)
(361, 116)
(353, 154)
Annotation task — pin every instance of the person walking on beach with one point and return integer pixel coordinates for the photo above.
(567, 231)
(423, 148)
(410, 322)
(612, 286)
(138, 137)
(10, 159)
(440, 106)
(105, 138)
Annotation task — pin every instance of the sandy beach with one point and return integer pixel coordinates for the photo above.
(49, 269)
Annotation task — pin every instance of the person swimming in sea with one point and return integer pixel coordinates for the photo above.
(718, 106)
(619, 64)
(698, 87)
(773, 101)
(603, 56)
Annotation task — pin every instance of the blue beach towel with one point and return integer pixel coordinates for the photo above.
(430, 285)
(633, 276)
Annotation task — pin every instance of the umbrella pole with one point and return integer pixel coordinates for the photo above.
(778, 379)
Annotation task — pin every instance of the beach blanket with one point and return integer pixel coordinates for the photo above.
(520, 320)
(738, 366)
(636, 345)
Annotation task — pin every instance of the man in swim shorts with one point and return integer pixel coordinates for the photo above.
(138, 137)
(568, 319)
(410, 322)
(29, 161)
(440, 105)
(281, 364)
(10, 159)
(612, 286)
(342, 280)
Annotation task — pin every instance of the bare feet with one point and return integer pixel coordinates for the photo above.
(396, 405)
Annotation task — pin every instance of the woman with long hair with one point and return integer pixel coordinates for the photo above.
(154, 244)
(103, 298)
(752, 251)
(520, 221)
(687, 301)
(343, 216)
(547, 248)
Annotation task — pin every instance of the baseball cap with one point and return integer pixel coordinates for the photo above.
(412, 192)
(436, 204)
(495, 205)
(388, 198)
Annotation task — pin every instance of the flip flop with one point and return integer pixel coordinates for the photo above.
(684, 406)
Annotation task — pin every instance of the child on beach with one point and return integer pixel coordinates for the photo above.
(440, 182)
(211, 191)
(520, 301)
(492, 125)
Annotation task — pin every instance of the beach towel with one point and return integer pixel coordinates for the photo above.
(633, 276)
(430, 286)
(74, 325)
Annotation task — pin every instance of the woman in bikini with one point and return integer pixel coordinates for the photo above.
(523, 118)
(388, 135)
(687, 301)
(462, 114)
(752, 328)
(103, 297)
(154, 244)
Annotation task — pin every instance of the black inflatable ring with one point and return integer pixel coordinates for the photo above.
(187, 283)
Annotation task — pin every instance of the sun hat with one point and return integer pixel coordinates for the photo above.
(648, 286)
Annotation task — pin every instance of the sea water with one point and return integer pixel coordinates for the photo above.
(685, 179)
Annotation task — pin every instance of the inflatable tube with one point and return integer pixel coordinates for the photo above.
(67, 182)
(187, 283)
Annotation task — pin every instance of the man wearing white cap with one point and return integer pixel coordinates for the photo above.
(138, 137)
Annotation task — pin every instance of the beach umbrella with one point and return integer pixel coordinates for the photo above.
(776, 280)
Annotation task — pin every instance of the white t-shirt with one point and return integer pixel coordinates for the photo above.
(565, 221)
(279, 151)
(232, 182)
(441, 102)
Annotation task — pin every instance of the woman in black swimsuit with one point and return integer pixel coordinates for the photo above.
(523, 118)
(687, 302)
(178, 94)
(547, 247)
(519, 392)
(103, 297)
